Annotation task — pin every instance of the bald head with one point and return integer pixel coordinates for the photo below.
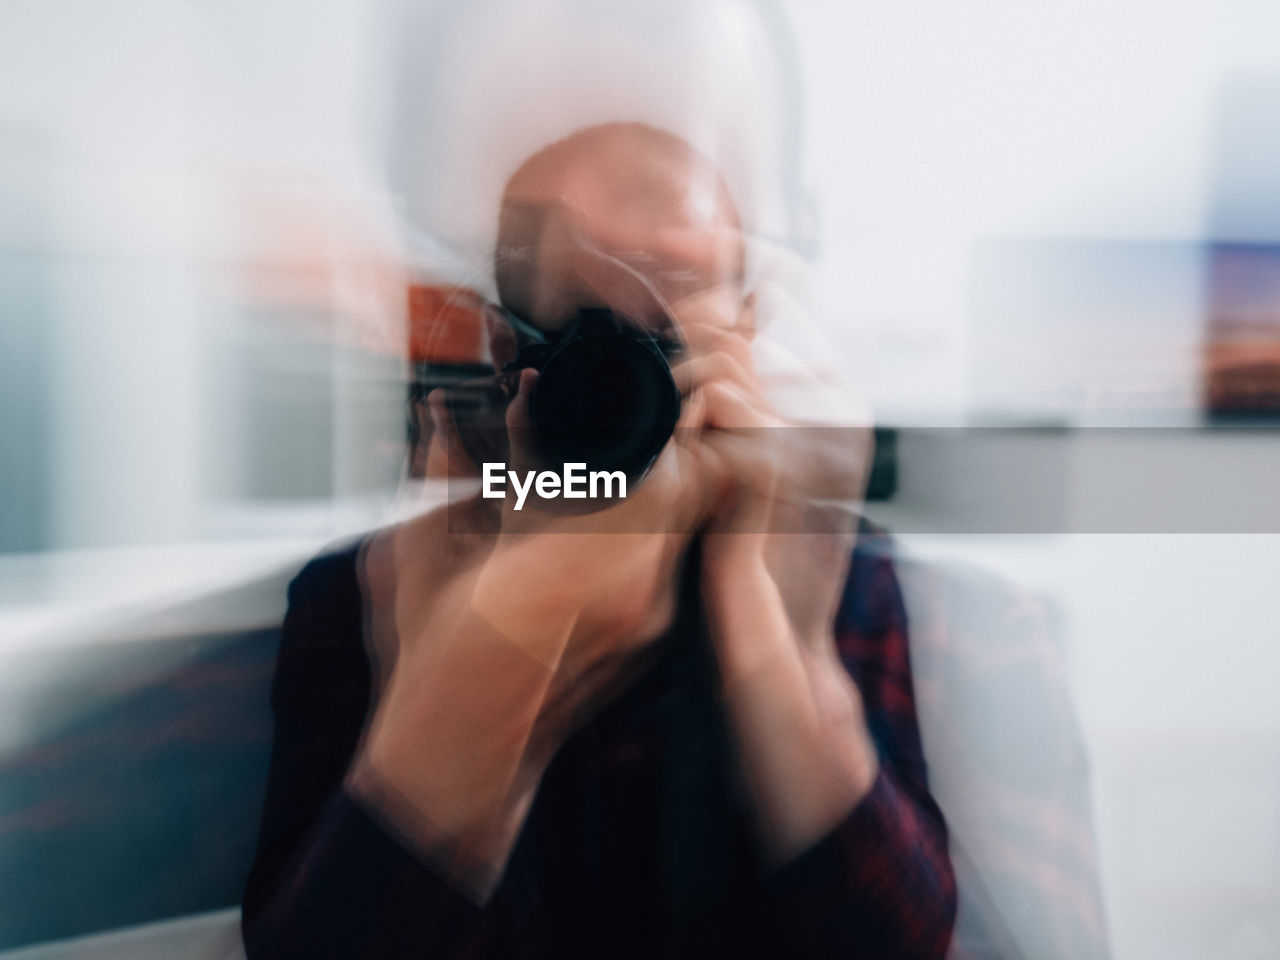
(609, 215)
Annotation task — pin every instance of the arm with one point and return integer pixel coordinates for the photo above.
(302, 899)
(395, 841)
(823, 716)
(835, 767)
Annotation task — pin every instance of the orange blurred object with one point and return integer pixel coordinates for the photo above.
(446, 326)
(1242, 349)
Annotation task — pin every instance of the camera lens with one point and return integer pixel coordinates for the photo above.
(605, 398)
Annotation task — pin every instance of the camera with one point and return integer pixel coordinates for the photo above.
(605, 395)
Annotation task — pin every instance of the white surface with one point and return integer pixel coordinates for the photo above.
(1172, 649)
(206, 936)
(68, 615)
(71, 597)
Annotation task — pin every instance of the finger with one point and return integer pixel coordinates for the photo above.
(446, 441)
(707, 368)
(729, 407)
(746, 494)
(745, 459)
(722, 307)
(706, 339)
(693, 415)
(520, 423)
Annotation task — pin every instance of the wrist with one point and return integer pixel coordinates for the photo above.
(470, 852)
(749, 626)
(534, 612)
(446, 758)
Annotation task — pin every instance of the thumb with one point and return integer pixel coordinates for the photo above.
(519, 421)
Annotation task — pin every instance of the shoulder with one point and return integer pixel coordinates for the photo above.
(322, 628)
(342, 603)
(872, 600)
(328, 583)
(333, 570)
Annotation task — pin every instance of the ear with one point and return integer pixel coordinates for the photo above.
(502, 339)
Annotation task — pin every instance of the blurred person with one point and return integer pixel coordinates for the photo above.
(680, 725)
(1007, 762)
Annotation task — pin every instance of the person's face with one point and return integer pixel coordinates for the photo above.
(648, 232)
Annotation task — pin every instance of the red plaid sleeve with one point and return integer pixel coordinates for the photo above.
(331, 880)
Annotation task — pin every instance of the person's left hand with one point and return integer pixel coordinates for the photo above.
(774, 564)
(780, 490)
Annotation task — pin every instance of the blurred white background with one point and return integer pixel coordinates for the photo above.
(199, 380)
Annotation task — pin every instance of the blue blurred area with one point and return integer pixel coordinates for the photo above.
(140, 799)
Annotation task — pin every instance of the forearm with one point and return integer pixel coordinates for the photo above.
(331, 877)
(448, 759)
(805, 751)
(879, 885)
(859, 847)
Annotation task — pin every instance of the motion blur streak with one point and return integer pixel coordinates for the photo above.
(1033, 253)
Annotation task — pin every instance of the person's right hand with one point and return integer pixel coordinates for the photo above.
(500, 634)
(604, 569)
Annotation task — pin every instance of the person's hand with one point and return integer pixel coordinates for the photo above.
(587, 593)
(774, 562)
(503, 634)
(780, 489)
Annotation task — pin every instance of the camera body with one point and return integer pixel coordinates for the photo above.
(605, 395)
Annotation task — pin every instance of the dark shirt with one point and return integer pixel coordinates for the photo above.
(640, 842)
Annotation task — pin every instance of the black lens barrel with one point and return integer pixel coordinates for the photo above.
(605, 395)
